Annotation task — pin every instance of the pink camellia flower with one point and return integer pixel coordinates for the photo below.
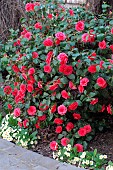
(62, 109)
(38, 25)
(84, 81)
(64, 141)
(71, 12)
(69, 126)
(72, 86)
(31, 71)
(87, 128)
(109, 110)
(7, 90)
(82, 131)
(64, 94)
(48, 42)
(31, 111)
(63, 58)
(28, 35)
(16, 112)
(101, 82)
(94, 101)
(112, 30)
(102, 45)
(79, 147)
(34, 55)
(47, 69)
(79, 26)
(60, 36)
(54, 145)
(29, 7)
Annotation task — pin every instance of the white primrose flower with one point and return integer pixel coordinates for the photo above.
(87, 162)
(105, 156)
(61, 158)
(76, 159)
(91, 162)
(101, 156)
(83, 155)
(109, 167)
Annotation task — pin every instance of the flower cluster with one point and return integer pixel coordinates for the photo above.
(60, 70)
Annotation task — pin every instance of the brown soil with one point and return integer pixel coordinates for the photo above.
(103, 142)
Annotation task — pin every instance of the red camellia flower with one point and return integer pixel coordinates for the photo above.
(69, 126)
(42, 118)
(60, 36)
(30, 87)
(53, 108)
(76, 116)
(111, 47)
(53, 87)
(15, 68)
(31, 71)
(20, 124)
(64, 94)
(79, 26)
(29, 7)
(49, 57)
(79, 147)
(58, 129)
(71, 12)
(16, 112)
(109, 110)
(84, 81)
(7, 90)
(92, 69)
(88, 128)
(112, 30)
(58, 121)
(54, 145)
(34, 55)
(25, 123)
(73, 106)
(9, 106)
(50, 16)
(101, 82)
(48, 42)
(82, 132)
(64, 141)
(62, 109)
(102, 45)
(31, 111)
(23, 88)
(66, 69)
(81, 89)
(38, 25)
(94, 101)
(43, 107)
(47, 69)
(88, 37)
(63, 58)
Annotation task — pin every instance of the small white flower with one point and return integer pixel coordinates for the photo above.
(61, 158)
(76, 159)
(91, 162)
(109, 167)
(105, 156)
(87, 162)
(101, 156)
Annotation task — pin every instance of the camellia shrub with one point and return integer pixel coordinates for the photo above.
(60, 71)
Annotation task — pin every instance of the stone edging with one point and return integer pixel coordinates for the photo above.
(14, 157)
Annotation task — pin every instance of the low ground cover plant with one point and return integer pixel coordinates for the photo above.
(60, 69)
